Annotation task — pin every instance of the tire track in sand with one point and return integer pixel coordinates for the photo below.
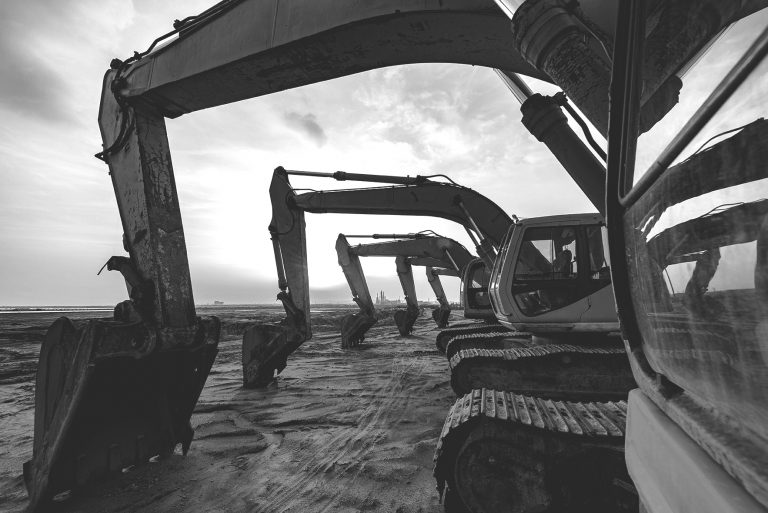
(308, 488)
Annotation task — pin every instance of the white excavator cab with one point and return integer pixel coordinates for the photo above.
(552, 276)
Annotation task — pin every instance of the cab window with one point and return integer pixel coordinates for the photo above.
(697, 237)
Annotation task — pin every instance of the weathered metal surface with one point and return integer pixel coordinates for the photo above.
(444, 337)
(266, 348)
(423, 250)
(108, 397)
(545, 120)
(353, 329)
(405, 319)
(430, 199)
(504, 451)
(484, 339)
(551, 370)
(354, 326)
(434, 247)
(142, 176)
(265, 46)
(440, 315)
(349, 261)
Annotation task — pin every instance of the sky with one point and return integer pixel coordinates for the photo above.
(59, 221)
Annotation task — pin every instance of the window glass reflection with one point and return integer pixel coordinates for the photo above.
(698, 258)
(672, 93)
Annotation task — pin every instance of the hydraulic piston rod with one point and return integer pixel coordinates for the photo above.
(515, 84)
(543, 117)
(486, 249)
(389, 236)
(342, 176)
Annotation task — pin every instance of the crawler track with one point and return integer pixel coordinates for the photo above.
(554, 370)
(445, 336)
(503, 451)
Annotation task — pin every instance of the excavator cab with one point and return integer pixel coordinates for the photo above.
(552, 276)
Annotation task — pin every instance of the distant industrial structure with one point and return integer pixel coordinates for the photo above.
(381, 300)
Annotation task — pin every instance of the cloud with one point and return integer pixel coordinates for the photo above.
(29, 85)
(306, 123)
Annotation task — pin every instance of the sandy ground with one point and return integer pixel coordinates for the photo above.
(343, 431)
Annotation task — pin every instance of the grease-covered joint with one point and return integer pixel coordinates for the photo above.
(140, 291)
(550, 36)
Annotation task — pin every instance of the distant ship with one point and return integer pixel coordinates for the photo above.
(217, 303)
(382, 300)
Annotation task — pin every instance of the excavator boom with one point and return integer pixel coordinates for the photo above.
(439, 248)
(485, 221)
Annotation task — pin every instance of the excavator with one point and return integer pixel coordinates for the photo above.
(538, 411)
(100, 384)
(114, 393)
(431, 251)
(181, 72)
(266, 347)
(590, 372)
(696, 430)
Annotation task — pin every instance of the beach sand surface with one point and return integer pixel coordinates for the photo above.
(338, 431)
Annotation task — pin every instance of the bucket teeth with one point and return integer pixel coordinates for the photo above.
(112, 394)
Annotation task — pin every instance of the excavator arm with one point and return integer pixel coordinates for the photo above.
(439, 248)
(405, 318)
(441, 313)
(354, 326)
(432, 251)
(266, 347)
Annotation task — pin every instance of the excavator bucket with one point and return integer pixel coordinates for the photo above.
(354, 327)
(266, 346)
(405, 320)
(110, 395)
(441, 315)
(264, 354)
